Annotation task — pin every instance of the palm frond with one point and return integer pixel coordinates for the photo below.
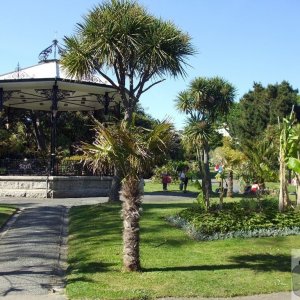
(130, 149)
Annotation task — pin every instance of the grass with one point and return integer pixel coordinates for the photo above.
(5, 212)
(151, 187)
(173, 264)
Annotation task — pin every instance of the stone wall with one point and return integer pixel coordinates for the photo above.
(54, 186)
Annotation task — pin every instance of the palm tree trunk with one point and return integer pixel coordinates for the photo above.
(207, 170)
(230, 184)
(207, 184)
(205, 177)
(221, 193)
(131, 228)
(114, 193)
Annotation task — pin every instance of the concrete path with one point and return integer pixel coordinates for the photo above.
(33, 248)
(30, 252)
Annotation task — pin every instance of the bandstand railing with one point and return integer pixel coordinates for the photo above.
(41, 167)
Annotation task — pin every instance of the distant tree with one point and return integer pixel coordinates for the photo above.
(142, 118)
(260, 108)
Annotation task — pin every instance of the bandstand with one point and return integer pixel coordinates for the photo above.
(47, 87)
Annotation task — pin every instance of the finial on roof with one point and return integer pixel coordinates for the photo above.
(18, 70)
(43, 56)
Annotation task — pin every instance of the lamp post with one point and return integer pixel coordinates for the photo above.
(54, 110)
(1, 99)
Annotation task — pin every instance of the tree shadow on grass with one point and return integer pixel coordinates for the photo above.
(148, 206)
(172, 193)
(83, 272)
(89, 268)
(255, 262)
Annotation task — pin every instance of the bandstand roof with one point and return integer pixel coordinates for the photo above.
(32, 88)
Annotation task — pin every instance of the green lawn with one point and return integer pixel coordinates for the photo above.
(5, 212)
(173, 265)
(173, 187)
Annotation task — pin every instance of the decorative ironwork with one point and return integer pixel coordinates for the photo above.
(48, 93)
(23, 167)
(93, 78)
(18, 74)
(8, 94)
(34, 166)
(43, 56)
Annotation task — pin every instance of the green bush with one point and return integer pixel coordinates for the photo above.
(172, 168)
(243, 219)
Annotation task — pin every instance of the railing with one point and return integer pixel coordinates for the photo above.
(40, 167)
(24, 166)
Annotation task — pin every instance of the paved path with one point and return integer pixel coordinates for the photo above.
(33, 248)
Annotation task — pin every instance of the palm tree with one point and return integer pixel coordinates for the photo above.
(206, 102)
(133, 150)
(137, 48)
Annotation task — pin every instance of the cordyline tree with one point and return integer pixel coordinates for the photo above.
(133, 150)
(137, 48)
(206, 102)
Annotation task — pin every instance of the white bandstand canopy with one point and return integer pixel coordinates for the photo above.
(33, 88)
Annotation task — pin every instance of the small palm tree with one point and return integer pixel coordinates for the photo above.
(133, 150)
(206, 102)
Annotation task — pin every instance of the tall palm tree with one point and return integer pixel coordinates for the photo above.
(137, 48)
(133, 150)
(206, 102)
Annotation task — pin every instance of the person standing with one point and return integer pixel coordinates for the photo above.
(165, 180)
(183, 180)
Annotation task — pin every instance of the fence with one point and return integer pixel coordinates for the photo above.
(34, 166)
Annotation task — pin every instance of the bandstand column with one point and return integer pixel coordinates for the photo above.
(54, 109)
(1, 99)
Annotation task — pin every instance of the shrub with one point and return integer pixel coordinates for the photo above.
(237, 220)
(172, 168)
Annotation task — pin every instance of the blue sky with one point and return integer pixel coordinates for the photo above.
(240, 40)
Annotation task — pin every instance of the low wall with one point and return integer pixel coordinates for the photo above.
(54, 186)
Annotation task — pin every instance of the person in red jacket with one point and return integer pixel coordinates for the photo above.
(166, 179)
